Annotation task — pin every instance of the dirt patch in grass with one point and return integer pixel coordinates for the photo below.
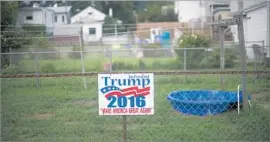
(41, 116)
(86, 102)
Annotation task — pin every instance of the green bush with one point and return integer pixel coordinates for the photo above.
(188, 40)
(193, 57)
(48, 68)
(10, 69)
(213, 59)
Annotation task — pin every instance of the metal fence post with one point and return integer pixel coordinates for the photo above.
(36, 62)
(82, 58)
(222, 59)
(10, 56)
(185, 59)
(243, 56)
(124, 120)
(124, 128)
(185, 62)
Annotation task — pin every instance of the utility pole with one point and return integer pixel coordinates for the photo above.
(238, 20)
(243, 54)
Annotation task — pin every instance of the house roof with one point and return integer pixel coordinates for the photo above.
(35, 8)
(252, 7)
(87, 8)
(60, 9)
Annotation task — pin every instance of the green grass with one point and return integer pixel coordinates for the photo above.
(61, 110)
(95, 63)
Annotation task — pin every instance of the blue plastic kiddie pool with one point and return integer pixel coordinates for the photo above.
(203, 102)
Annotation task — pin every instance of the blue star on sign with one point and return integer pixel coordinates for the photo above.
(108, 88)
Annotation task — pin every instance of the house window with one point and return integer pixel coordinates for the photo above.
(55, 18)
(63, 18)
(92, 31)
(29, 17)
(89, 13)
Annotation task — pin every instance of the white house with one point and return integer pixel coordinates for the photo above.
(255, 25)
(188, 10)
(36, 16)
(61, 14)
(91, 21)
(199, 9)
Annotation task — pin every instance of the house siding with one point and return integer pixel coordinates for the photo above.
(38, 17)
(255, 28)
(48, 18)
(90, 38)
(59, 18)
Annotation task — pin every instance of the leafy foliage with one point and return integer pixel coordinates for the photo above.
(213, 60)
(199, 58)
(196, 40)
(193, 57)
(155, 13)
(109, 26)
(10, 69)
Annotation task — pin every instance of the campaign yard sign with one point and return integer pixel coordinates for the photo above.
(126, 94)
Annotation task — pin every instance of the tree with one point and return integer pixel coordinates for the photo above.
(155, 13)
(11, 37)
(109, 26)
(122, 10)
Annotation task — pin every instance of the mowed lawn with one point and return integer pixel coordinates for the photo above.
(60, 109)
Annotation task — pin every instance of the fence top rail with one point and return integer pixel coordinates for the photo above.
(109, 50)
(155, 73)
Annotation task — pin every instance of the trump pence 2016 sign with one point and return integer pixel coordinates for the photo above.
(126, 94)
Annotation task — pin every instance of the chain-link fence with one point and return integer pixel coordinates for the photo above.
(56, 99)
(61, 109)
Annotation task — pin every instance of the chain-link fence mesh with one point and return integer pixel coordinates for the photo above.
(66, 108)
(61, 109)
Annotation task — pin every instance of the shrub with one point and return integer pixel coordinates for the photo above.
(48, 68)
(10, 69)
(193, 57)
(188, 40)
(213, 60)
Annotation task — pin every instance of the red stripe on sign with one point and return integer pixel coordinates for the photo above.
(135, 91)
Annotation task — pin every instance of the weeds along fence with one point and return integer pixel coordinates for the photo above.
(94, 60)
(75, 60)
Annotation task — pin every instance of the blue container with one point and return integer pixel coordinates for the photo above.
(202, 102)
(165, 39)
